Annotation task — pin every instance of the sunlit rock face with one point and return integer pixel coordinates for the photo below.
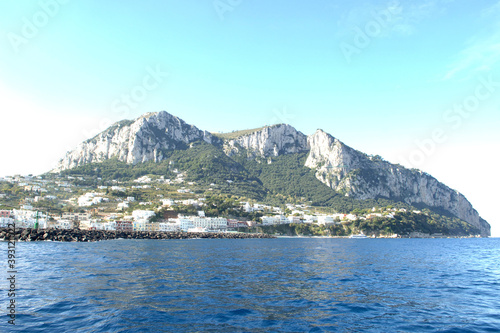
(141, 140)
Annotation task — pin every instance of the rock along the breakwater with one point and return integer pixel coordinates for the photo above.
(77, 235)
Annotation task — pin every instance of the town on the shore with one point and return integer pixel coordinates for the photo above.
(101, 208)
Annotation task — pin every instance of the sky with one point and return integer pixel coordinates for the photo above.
(416, 82)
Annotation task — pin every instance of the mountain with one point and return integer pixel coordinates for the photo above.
(146, 138)
(317, 165)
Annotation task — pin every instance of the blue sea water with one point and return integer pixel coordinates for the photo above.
(257, 285)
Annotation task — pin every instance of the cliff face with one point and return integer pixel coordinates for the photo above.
(362, 177)
(340, 167)
(270, 141)
(141, 140)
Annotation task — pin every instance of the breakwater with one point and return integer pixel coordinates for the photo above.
(77, 235)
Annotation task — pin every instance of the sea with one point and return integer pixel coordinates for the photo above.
(255, 285)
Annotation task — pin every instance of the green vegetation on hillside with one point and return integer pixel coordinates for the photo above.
(402, 224)
(287, 178)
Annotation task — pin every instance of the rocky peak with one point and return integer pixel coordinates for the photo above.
(143, 139)
(269, 141)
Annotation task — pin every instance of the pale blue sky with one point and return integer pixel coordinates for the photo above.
(379, 75)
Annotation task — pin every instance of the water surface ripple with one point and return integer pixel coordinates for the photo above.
(258, 285)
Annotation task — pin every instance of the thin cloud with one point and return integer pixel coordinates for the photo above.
(481, 56)
(481, 53)
(403, 21)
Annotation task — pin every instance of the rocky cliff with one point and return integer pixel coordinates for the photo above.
(141, 140)
(366, 177)
(269, 141)
(335, 164)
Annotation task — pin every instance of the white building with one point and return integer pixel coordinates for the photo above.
(351, 217)
(310, 219)
(277, 219)
(183, 223)
(167, 226)
(325, 219)
(143, 179)
(96, 225)
(190, 202)
(167, 202)
(210, 223)
(4, 221)
(85, 224)
(63, 224)
(76, 216)
(111, 225)
(122, 205)
(89, 199)
(118, 188)
(247, 207)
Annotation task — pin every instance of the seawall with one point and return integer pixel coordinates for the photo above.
(77, 235)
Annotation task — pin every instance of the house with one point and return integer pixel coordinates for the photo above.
(84, 225)
(122, 205)
(145, 226)
(167, 202)
(89, 199)
(143, 179)
(310, 219)
(61, 224)
(110, 226)
(5, 213)
(118, 188)
(351, 217)
(232, 223)
(247, 207)
(324, 220)
(277, 219)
